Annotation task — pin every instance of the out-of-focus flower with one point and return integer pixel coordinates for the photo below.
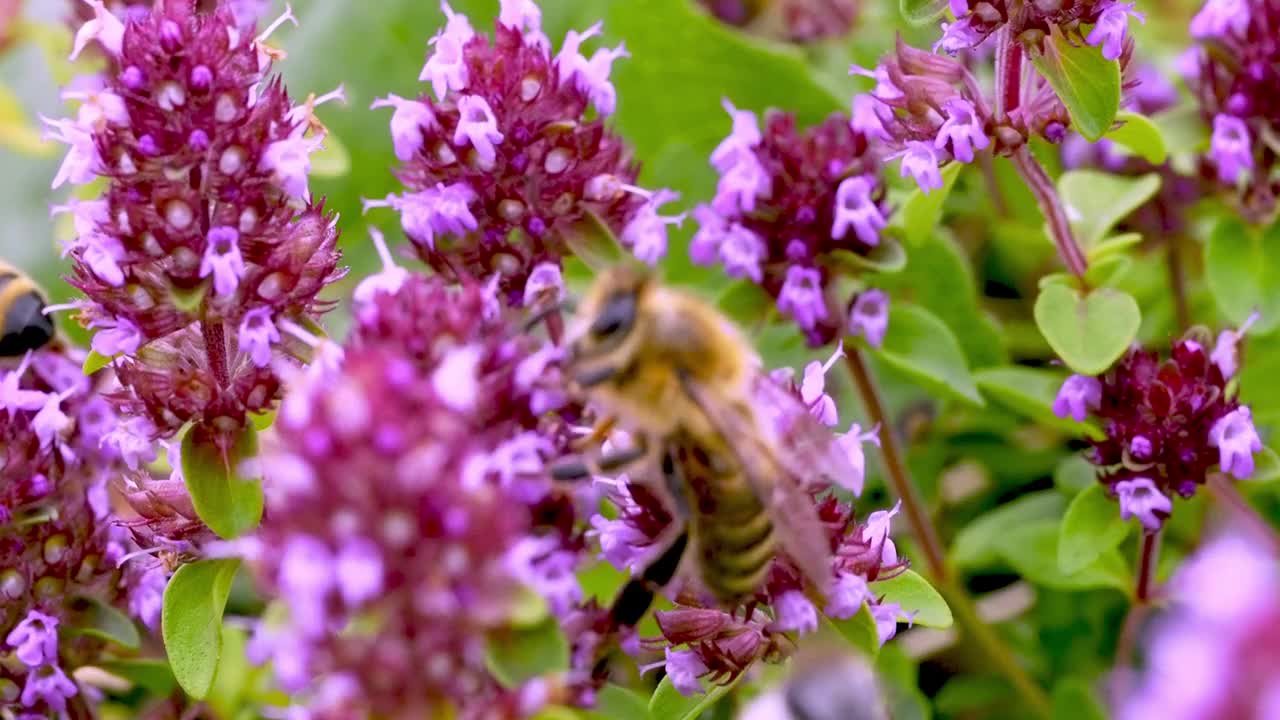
(59, 541)
(797, 21)
(789, 202)
(1209, 657)
(1166, 423)
(432, 554)
(205, 229)
(504, 162)
(1233, 72)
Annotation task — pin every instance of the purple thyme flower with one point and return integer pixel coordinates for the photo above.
(1233, 72)
(205, 227)
(504, 162)
(428, 400)
(976, 20)
(787, 200)
(1166, 424)
(869, 316)
(59, 537)
(1210, 656)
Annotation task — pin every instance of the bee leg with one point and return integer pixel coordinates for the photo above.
(617, 460)
(636, 596)
(598, 433)
(570, 469)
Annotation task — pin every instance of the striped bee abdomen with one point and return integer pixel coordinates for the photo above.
(23, 324)
(735, 537)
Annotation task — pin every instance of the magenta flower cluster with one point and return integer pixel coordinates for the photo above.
(1167, 424)
(790, 209)
(408, 496)
(1234, 72)
(60, 547)
(977, 20)
(502, 162)
(205, 238)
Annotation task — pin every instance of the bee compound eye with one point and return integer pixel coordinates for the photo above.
(617, 316)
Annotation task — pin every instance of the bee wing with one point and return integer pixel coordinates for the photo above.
(791, 509)
(806, 447)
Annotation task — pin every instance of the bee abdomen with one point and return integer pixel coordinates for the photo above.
(23, 324)
(736, 555)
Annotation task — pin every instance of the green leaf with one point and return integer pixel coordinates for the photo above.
(859, 631)
(922, 12)
(746, 303)
(1032, 550)
(332, 160)
(263, 420)
(614, 702)
(668, 704)
(922, 346)
(1266, 467)
(92, 617)
(921, 212)
(978, 544)
(1030, 392)
(231, 681)
(1073, 474)
(1096, 201)
(593, 243)
(887, 257)
(1091, 527)
(1087, 83)
(916, 595)
(153, 676)
(93, 362)
(191, 621)
(1105, 250)
(225, 499)
(1242, 267)
(1074, 699)
(1088, 333)
(516, 655)
(1141, 136)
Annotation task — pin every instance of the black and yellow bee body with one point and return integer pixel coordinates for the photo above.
(24, 326)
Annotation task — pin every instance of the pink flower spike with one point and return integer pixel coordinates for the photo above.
(1230, 148)
(407, 123)
(1112, 25)
(855, 208)
(846, 596)
(257, 334)
(1140, 498)
(104, 27)
(290, 160)
(921, 162)
(1078, 395)
(851, 442)
(388, 280)
(222, 259)
(544, 287)
(35, 639)
(869, 316)
(795, 613)
(801, 296)
(646, 233)
(1226, 353)
(446, 69)
(962, 129)
(115, 336)
(477, 126)
(744, 136)
(1237, 440)
(813, 388)
(684, 667)
(1218, 17)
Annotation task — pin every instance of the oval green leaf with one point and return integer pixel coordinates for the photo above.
(922, 12)
(1099, 200)
(978, 544)
(1032, 551)
(922, 346)
(1141, 136)
(1091, 527)
(916, 595)
(1030, 392)
(516, 655)
(921, 212)
(859, 631)
(94, 361)
(92, 617)
(1242, 267)
(615, 702)
(887, 257)
(151, 675)
(1089, 333)
(191, 621)
(1087, 83)
(592, 242)
(1073, 474)
(745, 302)
(225, 499)
(668, 703)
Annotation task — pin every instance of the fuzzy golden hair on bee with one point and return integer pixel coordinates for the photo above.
(24, 326)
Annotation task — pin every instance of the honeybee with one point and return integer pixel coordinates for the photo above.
(23, 323)
(734, 451)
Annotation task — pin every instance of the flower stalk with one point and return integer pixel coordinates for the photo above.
(1147, 558)
(926, 535)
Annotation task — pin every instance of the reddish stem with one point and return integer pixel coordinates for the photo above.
(1178, 283)
(1008, 74)
(555, 327)
(1051, 206)
(912, 506)
(1147, 557)
(215, 347)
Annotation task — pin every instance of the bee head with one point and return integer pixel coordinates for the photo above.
(605, 320)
